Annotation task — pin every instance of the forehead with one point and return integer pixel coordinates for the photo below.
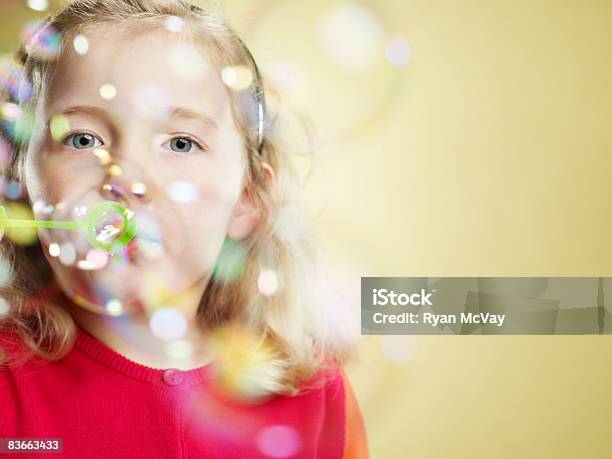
(155, 64)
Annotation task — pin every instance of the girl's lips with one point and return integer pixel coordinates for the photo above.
(139, 251)
(132, 251)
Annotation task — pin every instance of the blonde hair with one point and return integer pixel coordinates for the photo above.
(305, 335)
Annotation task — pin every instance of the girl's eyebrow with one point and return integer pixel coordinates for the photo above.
(173, 112)
(181, 112)
(88, 110)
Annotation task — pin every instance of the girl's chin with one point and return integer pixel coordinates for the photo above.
(125, 286)
(111, 308)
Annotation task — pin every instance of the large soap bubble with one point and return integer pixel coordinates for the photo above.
(114, 239)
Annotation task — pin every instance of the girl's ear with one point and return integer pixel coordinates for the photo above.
(246, 214)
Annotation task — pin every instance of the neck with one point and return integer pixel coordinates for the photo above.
(131, 336)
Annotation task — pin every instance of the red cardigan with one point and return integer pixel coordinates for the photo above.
(103, 405)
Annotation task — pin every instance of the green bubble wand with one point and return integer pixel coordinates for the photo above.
(110, 243)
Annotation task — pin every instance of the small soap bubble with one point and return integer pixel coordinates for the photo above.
(13, 190)
(95, 259)
(114, 170)
(231, 262)
(108, 91)
(174, 24)
(237, 77)
(168, 324)
(103, 156)
(24, 90)
(279, 441)
(81, 44)
(179, 349)
(398, 51)
(139, 188)
(10, 111)
(5, 307)
(41, 40)
(184, 192)
(38, 5)
(267, 282)
(80, 211)
(67, 254)
(13, 80)
(54, 249)
(19, 128)
(59, 127)
(114, 307)
(245, 362)
(38, 206)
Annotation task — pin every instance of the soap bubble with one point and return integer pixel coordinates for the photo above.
(106, 241)
(279, 441)
(238, 77)
(54, 249)
(231, 262)
(13, 81)
(81, 44)
(95, 259)
(179, 349)
(5, 307)
(19, 211)
(398, 51)
(174, 24)
(168, 324)
(267, 282)
(180, 191)
(41, 40)
(38, 5)
(108, 91)
(59, 127)
(114, 307)
(67, 253)
(18, 123)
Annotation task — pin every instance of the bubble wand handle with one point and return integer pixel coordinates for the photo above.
(127, 233)
(12, 223)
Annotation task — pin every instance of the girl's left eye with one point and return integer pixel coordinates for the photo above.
(182, 145)
(82, 141)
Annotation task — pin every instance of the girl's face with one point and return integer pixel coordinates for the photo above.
(144, 120)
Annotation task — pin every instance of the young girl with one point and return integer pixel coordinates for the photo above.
(168, 310)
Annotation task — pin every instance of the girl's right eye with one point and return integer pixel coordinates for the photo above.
(82, 141)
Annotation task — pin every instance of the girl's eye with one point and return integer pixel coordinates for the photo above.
(82, 141)
(182, 145)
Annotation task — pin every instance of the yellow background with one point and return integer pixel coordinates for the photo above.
(488, 154)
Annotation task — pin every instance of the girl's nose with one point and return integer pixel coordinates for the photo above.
(117, 186)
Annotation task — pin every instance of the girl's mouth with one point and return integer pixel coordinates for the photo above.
(132, 252)
(140, 250)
